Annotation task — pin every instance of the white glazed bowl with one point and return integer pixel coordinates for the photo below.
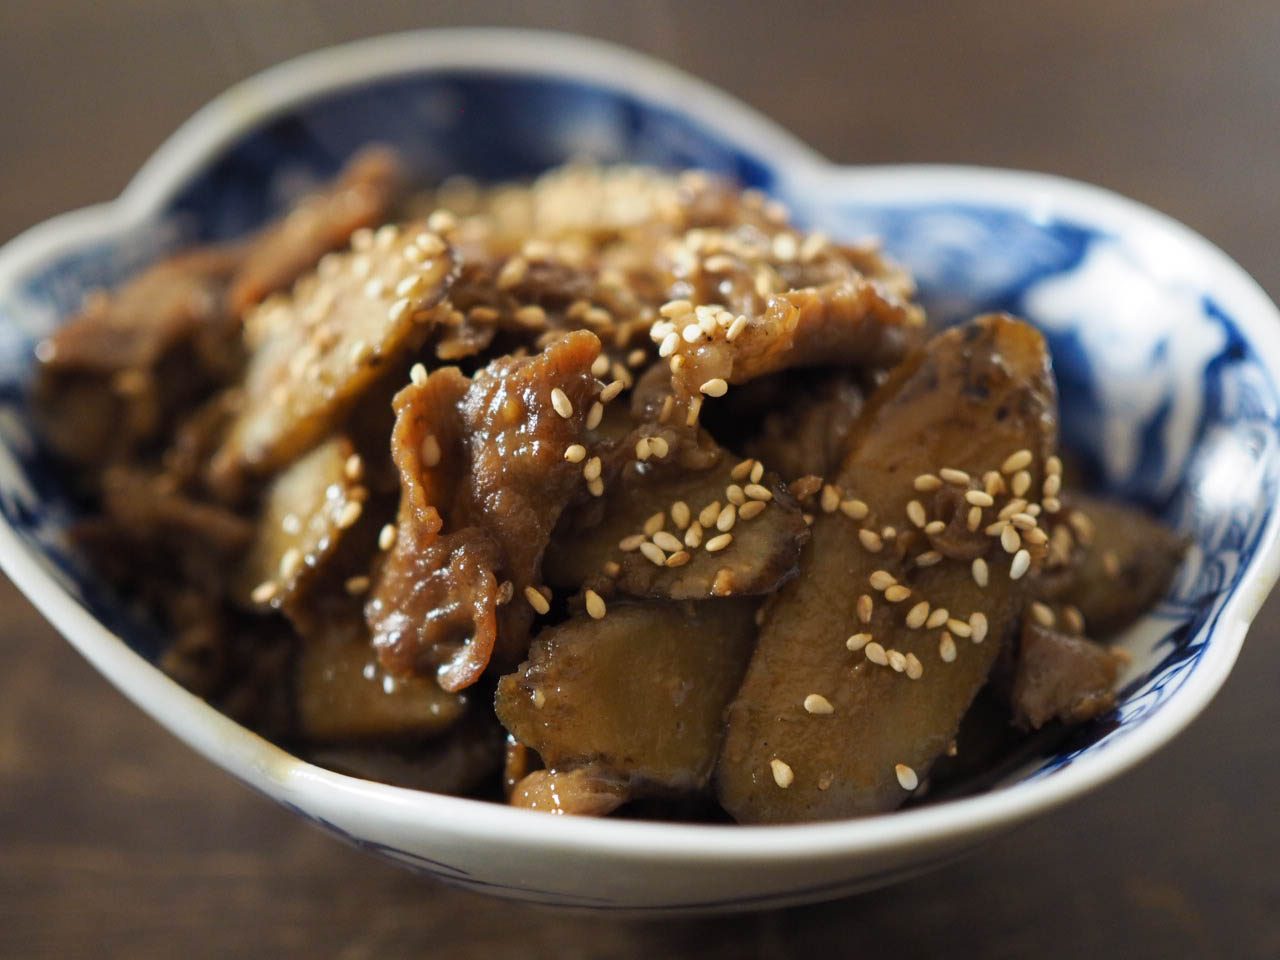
(1166, 353)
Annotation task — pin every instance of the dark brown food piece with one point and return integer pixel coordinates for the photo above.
(362, 196)
(640, 692)
(317, 350)
(975, 395)
(116, 377)
(763, 552)
(1127, 566)
(484, 480)
(810, 434)
(583, 791)
(1061, 677)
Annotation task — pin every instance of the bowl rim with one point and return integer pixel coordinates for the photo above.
(277, 773)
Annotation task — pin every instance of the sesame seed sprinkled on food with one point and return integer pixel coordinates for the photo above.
(430, 451)
(978, 626)
(631, 543)
(757, 492)
(1043, 614)
(783, 775)
(979, 570)
(695, 408)
(917, 615)
(655, 523)
(735, 328)
(611, 569)
(575, 453)
(290, 563)
(854, 509)
(715, 387)
(857, 641)
(1051, 504)
(979, 498)
(561, 402)
(728, 517)
(595, 605)
(929, 558)
(751, 509)
(1023, 521)
(353, 467)
(643, 452)
(397, 311)
(1053, 465)
(675, 308)
(669, 345)
(679, 558)
(1009, 539)
(865, 607)
(600, 365)
(897, 662)
(916, 514)
(612, 390)
(709, 513)
(1110, 563)
(716, 544)
(1017, 505)
(946, 648)
(539, 699)
(915, 669)
(974, 520)
(1082, 525)
(1021, 483)
(897, 593)
(356, 585)
(1021, 563)
(680, 515)
(418, 374)
(954, 476)
(830, 499)
(882, 580)
(741, 470)
(1052, 484)
(906, 776)
(537, 601)
(659, 447)
(959, 627)
(1072, 619)
(693, 536)
(817, 703)
(735, 494)
(992, 482)
(653, 553)
(757, 472)
(1016, 461)
(387, 536)
(349, 514)
(667, 541)
(934, 527)
(937, 618)
(875, 653)
(871, 540)
(1035, 536)
(888, 532)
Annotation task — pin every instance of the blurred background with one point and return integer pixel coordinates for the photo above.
(116, 840)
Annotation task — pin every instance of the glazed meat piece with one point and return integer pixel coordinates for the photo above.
(1057, 675)
(810, 434)
(361, 197)
(315, 351)
(867, 662)
(583, 791)
(115, 378)
(484, 479)
(640, 692)
(683, 534)
(1127, 564)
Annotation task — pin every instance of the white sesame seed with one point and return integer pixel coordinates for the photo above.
(757, 492)
(751, 509)
(539, 699)
(536, 600)
(865, 607)
(934, 527)
(430, 451)
(679, 558)
(979, 498)
(978, 626)
(709, 513)
(1035, 536)
(595, 605)
(349, 514)
(693, 536)
(654, 523)
(817, 703)
(418, 374)
(612, 390)
(1009, 539)
(979, 570)
(695, 408)
(575, 453)
(398, 310)
(667, 541)
(716, 544)
(929, 558)
(875, 653)
(1051, 504)
(356, 585)
(353, 468)
(1053, 466)
(715, 387)
(946, 648)
(906, 776)
(897, 662)
(653, 553)
(992, 482)
(600, 365)
(387, 536)
(643, 451)
(926, 483)
(735, 494)
(659, 447)
(264, 591)
(1021, 483)
(783, 775)
(728, 517)
(1052, 484)
(591, 469)
(882, 580)
(871, 540)
(290, 563)
(675, 308)
(960, 628)
(1023, 521)
(680, 514)
(1072, 619)
(735, 329)
(897, 593)
(951, 475)
(561, 402)
(917, 615)
(937, 618)
(741, 470)
(857, 641)
(916, 514)
(631, 543)
(1021, 563)
(854, 509)
(670, 343)
(974, 519)
(1016, 461)
(915, 669)
(1043, 614)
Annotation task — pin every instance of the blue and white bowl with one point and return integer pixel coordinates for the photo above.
(1166, 353)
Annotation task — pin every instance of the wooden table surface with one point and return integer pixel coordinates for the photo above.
(116, 840)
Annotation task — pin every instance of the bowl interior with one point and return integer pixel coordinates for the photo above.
(1163, 395)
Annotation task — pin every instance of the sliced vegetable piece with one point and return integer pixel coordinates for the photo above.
(1061, 677)
(641, 692)
(897, 678)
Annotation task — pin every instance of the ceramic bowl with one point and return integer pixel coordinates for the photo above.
(1166, 354)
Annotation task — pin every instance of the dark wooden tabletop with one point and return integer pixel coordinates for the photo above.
(116, 840)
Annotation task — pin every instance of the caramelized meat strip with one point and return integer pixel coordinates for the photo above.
(116, 377)
(317, 350)
(653, 529)
(362, 196)
(344, 695)
(640, 692)
(1058, 676)
(868, 660)
(1127, 564)
(810, 434)
(483, 481)
(583, 791)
